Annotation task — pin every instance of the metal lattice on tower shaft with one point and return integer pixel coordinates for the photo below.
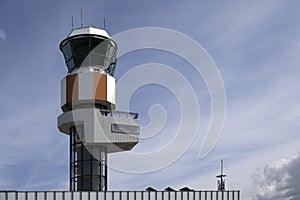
(87, 173)
(88, 105)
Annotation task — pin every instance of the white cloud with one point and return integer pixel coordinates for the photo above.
(279, 180)
(2, 34)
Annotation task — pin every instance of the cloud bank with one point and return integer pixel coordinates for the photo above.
(2, 34)
(279, 180)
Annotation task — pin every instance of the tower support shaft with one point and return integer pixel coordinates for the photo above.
(87, 173)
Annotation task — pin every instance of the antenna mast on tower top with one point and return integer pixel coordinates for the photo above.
(72, 23)
(221, 182)
(81, 18)
(104, 23)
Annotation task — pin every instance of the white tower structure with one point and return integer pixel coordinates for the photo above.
(88, 103)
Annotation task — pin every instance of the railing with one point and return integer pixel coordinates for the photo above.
(121, 195)
(120, 114)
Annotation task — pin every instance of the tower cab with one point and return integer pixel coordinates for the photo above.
(89, 49)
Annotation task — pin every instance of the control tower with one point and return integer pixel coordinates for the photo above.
(88, 103)
(221, 182)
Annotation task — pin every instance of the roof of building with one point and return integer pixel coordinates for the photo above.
(169, 189)
(89, 30)
(149, 189)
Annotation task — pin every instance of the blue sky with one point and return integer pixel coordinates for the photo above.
(255, 44)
